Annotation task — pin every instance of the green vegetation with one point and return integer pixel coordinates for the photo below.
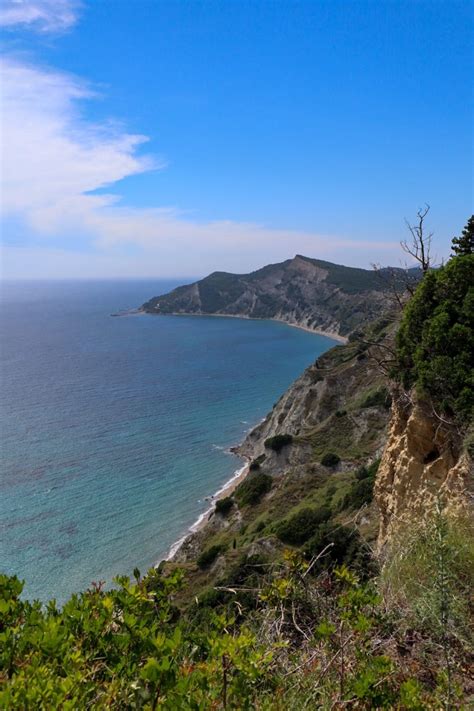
(431, 573)
(435, 342)
(223, 506)
(121, 649)
(295, 613)
(257, 462)
(301, 526)
(464, 245)
(349, 296)
(209, 555)
(253, 488)
(330, 459)
(218, 289)
(278, 442)
(302, 632)
(376, 397)
(334, 544)
(361, 492)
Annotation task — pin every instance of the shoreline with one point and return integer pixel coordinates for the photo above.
(317, 331)
(240, 474)
(226, 489)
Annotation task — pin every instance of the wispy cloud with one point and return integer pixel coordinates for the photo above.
(52, 157)
(54, 160)
(45, 16)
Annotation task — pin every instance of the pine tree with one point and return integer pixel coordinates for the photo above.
(465, 243)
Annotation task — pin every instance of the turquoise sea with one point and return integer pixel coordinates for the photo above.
(115, 430)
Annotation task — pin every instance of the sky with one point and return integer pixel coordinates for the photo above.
(152, 138)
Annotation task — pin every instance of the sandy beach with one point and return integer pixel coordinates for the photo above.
(226, 490)
(240, 474)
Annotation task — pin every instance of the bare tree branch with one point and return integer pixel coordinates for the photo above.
(420, 245)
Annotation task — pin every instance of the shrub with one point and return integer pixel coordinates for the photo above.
(278, 442)
(435, 342)
(301, 526)
(251, 490)
(341, 413)
(362, 473)
(344, 546)
(362, 490)
(208, 556)
(256, 463)
(430, 574)
(223, 506)
(378, 397)
(360, 493)
(330, 460)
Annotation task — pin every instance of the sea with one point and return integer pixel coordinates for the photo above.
(115, 430)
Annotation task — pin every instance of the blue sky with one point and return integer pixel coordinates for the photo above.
(152, 138)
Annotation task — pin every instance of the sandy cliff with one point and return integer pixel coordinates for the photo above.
(424, 459)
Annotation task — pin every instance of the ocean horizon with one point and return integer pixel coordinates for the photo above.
(116, 431)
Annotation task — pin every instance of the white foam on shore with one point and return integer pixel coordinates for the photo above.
(197, 524)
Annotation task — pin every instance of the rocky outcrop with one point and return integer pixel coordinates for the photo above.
(310, 293)
(423, 461)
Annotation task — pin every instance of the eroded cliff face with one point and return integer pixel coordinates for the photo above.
(304, 292)
(423, 461)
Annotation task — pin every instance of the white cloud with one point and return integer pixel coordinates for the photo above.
(53, 158)
(47, 16)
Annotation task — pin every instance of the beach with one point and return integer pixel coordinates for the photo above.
(226, 490)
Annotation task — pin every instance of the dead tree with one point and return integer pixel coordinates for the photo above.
(419, 247)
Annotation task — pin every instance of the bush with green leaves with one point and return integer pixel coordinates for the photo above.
(377, 397)
(209, 555)
(337, 545)
(253, 488)
(302, 525)
(435, 341)
(224, 506)
(279, 441)
(121, 649)
(330, 459)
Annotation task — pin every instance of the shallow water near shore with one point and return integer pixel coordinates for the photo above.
(115, 430)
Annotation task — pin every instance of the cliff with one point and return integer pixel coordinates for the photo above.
(338, 407)
(301, 291)
(424, 461)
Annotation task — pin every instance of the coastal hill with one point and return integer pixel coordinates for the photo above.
(312, 293)
(338, 573)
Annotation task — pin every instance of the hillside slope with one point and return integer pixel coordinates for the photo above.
(301, 291)
(339, 406)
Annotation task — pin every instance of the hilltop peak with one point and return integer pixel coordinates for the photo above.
(301, 291)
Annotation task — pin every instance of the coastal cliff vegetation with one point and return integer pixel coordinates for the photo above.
(306, 292)
(339, 572)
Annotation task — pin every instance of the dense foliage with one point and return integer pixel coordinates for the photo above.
(277, 442)
(251, 490)
(302, 525)
(121, 649)
(208, 556)
(464, 244)
(299, 636)
(223, 506)
(435, 342)
(330, 459)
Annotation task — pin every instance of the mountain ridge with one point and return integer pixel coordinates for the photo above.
(306, 292)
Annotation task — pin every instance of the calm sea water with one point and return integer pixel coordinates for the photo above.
(114, 430)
